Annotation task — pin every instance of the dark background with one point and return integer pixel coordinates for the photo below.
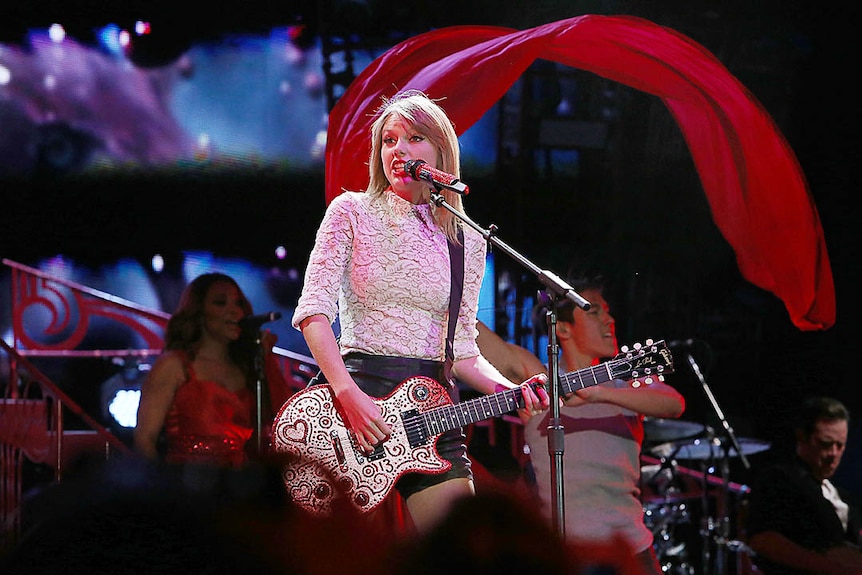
(634, 210)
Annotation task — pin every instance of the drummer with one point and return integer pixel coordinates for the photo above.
(603, 429)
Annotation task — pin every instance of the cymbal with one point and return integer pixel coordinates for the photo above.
(657, 430)
(709, 449)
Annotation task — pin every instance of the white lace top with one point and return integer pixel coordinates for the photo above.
(383, 265)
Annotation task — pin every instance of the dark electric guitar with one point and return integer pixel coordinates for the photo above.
(322, 461)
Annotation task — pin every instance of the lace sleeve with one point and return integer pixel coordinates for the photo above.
(465, 345)
(327, 263)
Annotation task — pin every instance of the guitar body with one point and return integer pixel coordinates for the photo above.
(322, 461)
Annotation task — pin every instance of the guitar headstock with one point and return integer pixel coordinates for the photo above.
(642, 363)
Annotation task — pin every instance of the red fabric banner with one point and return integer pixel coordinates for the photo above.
(756, 190)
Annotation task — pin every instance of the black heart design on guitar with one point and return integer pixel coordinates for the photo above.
(323, 463)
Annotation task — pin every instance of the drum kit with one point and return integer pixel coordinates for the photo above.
(674, 496)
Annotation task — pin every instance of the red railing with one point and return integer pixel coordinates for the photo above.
(32, 407)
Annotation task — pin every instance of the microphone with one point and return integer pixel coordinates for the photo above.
(682, 342)
(254, 322)
(419, 170)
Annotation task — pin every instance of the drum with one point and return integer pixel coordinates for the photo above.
(663, 517)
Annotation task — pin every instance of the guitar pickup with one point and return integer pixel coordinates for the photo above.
(415, 428)
(378, 453)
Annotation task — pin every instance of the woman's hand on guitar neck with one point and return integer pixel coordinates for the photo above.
(536, 398)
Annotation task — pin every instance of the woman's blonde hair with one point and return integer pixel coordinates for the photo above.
(431, 121)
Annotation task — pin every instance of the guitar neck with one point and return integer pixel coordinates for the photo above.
(495, 404)
(449, 417)
(586, 377)
(653, 360)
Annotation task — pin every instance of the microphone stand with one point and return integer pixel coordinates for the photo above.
(556, 431)
(259, 370)
(723, 526)
(258, 391)
(557, 290)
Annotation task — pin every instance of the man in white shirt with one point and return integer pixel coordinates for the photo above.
(799, 522)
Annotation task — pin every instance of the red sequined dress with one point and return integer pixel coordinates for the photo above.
(209, 424)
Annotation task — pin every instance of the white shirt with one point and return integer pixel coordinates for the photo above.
(831, 495)
(382, 265)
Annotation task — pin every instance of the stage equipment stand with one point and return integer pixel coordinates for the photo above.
(260, 376)
(256, 323)
(717, 529)
(556, 291)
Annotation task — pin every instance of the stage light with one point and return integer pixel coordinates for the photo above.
(121, 393)
(124, 39)
(113, 40)
(142, 28)
(158, 263)
(124, 407)
(318, 147)
(56, 33)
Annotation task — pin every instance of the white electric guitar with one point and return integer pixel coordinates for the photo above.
(322, 461)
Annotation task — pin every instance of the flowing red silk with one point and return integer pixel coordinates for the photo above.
(756, 190)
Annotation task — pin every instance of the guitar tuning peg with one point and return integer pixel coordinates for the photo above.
(624, 349)
(637, 345)
(636, 383)
(649, 342)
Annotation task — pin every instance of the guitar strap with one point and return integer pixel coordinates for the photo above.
(456, 258)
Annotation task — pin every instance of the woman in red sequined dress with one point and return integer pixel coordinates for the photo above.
(201, 390)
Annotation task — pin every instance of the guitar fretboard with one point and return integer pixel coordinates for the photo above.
(587, 377)
(485, 407)
(435, 421)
